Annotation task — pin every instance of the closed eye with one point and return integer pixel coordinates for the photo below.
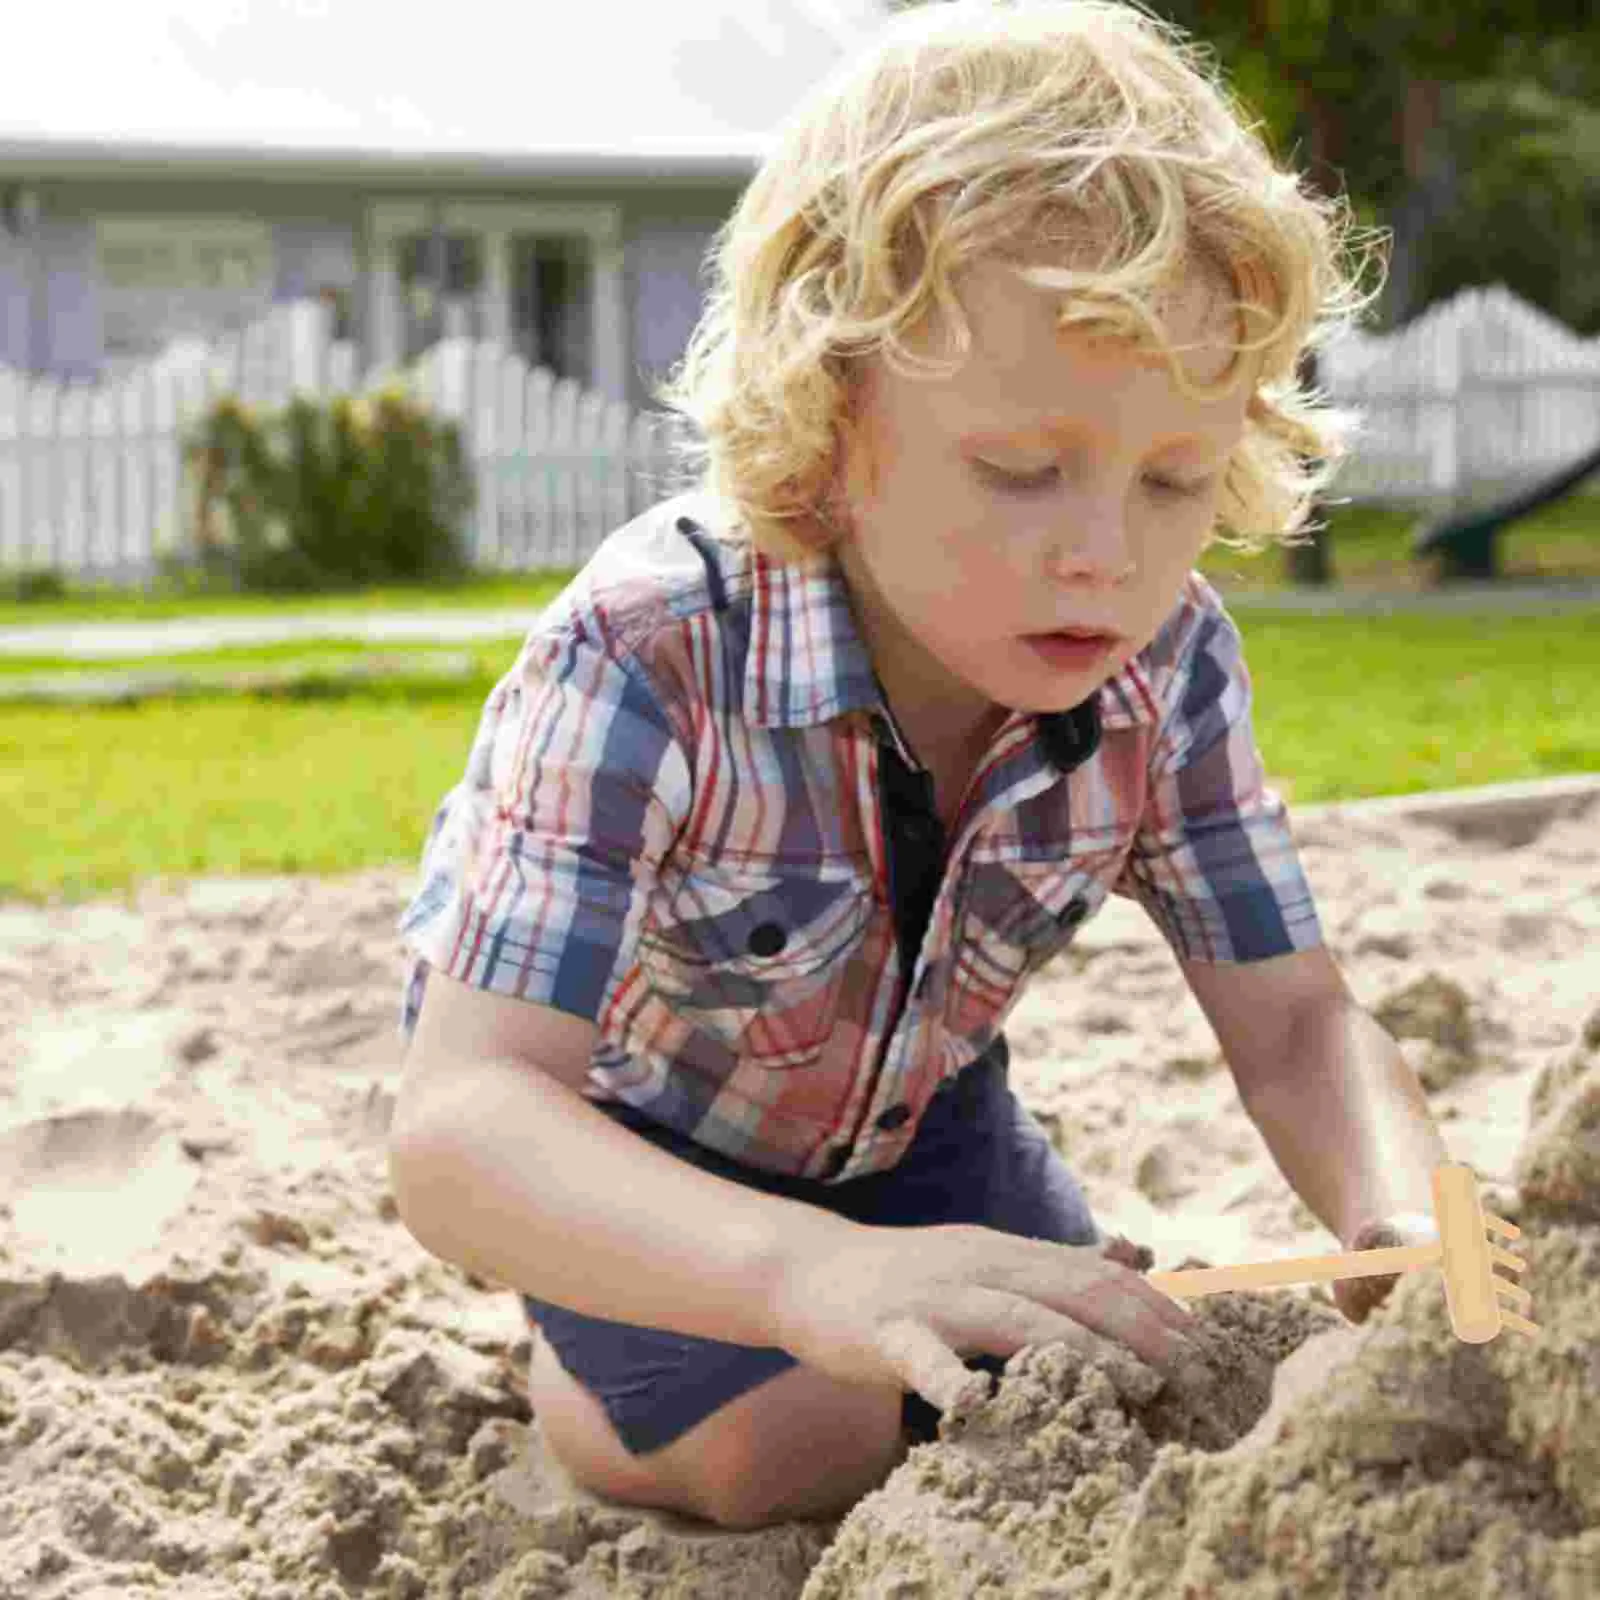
(1183, 491)
(1012, 483)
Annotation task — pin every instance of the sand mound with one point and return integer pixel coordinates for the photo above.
(227, 1371)
(1393, 1460)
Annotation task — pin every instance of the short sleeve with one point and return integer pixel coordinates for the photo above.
(539, 863)
(1213, 862)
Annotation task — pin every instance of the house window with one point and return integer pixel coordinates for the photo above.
(525, 277)
(188, 277)
(552, 295)
(441, 289)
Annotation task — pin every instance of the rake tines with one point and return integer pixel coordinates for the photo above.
(1472, 1288)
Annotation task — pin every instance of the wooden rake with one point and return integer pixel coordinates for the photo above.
(1472, 1288)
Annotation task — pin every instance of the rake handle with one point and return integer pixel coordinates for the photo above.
(1196, 1282)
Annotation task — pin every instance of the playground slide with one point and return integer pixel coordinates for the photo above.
(1466, 540)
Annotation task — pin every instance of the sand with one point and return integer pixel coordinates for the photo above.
(226, 1370)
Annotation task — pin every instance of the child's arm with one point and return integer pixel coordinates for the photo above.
(502, 1167)
(1342, 1112)
(1218, 870)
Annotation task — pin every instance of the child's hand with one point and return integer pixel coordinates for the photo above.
(1122, 1249)
(1358, 1298)
(902, 1305)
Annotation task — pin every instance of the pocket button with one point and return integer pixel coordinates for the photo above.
(767, 940)
(1074, 913)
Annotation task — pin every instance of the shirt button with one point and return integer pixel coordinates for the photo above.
(1074, 913)
(838, 1159)
(894, 1117)
(767, 939)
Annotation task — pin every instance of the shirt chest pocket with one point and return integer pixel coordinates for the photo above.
(756, 961)
(1015, 917)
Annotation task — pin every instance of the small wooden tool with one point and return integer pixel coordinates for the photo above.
(1473, 1289)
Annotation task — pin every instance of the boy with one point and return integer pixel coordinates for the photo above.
(811, 769)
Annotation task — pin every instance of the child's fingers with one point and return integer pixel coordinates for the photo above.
(1110, 1296)
(1092, 1284)
(928, 1365)
(1000, 1322)
(1358, 1298)
(1122, 1250)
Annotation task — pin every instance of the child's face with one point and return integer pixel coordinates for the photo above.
(952, 569)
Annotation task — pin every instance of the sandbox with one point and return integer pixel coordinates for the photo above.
(226, 1370)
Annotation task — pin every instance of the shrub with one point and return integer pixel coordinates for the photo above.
(32, 584)
(329, 495)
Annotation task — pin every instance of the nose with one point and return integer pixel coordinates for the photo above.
(1092, 550)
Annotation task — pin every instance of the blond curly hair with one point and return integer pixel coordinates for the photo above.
(1015, 131)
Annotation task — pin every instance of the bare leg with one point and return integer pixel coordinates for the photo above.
(798, 1447)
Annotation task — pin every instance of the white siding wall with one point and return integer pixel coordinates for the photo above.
(15, 311)
(67, 297)
(668, 296)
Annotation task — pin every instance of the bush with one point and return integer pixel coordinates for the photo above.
(328, 496)
(32, 585)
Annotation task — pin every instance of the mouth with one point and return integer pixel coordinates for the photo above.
(1071, 649)
(1101, 636)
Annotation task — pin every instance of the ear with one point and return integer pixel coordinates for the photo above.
(858, 454)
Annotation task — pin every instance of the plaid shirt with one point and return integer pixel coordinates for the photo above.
(670, 825)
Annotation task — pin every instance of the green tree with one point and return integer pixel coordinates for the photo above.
(1526, 196)
(1469, 131)
(1435, 118)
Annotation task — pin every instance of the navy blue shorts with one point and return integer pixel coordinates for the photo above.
(978, 1158)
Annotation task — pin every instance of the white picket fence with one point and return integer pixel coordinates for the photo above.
(1481, 394)
(93, 484)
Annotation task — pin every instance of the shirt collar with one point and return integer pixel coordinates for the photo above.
(807, 662)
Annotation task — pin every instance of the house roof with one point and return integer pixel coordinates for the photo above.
(326, 87)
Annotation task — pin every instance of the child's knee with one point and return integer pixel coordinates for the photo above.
(794, 1448)
(800, 1448)
(579, 1435)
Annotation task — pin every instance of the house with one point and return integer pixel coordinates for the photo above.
(545, 175)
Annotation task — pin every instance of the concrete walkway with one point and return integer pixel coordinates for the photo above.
(102, 641)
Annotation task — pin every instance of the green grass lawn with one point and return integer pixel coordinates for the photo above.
(489, 592)
(1371, 550)
(307, 655)
(1352, 707)
(99, 797)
